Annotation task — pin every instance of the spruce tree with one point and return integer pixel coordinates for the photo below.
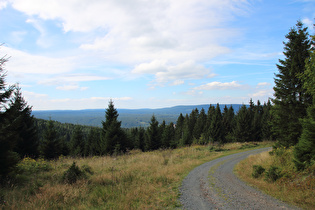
(179, 128)
(228, 123)
(291, 99)
(167, 138)
(8, 158)
(266, 119)
(51, 146)
(200, 126)
(257, 123)
(92, 142)
(243, 123)
(210, 115)
(22, 125)
(140, 139)
(77, 142)
(153, 136)
(216, 128)
(304, 152)
(113, 137)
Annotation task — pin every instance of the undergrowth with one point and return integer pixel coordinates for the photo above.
(275, 173)
(137, 180)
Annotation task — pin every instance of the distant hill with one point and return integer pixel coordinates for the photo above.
(129, 117)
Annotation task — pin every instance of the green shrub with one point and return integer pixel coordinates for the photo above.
(74, 173)
(273, 173)
(258, 170)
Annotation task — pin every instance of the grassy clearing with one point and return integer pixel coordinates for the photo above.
(276, 175)
(136, 180)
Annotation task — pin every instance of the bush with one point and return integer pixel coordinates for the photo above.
(74, 173)
(273, 173)
(258, 170)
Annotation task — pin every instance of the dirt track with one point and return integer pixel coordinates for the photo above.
(213, 185)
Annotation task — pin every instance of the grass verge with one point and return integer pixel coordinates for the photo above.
(136, 180)
(274, 173)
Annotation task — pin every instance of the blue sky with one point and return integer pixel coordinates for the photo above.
(78, 54)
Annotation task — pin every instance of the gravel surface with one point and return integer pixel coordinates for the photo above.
(213, 185)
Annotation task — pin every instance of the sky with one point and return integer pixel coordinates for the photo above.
(79, 54)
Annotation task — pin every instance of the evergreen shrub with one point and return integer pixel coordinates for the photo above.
(73, 174)
(273, 173)
(258, 170)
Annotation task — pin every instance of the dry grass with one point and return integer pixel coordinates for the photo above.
(137, 180)
(296, 188)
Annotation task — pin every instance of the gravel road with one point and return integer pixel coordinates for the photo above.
(213, 185)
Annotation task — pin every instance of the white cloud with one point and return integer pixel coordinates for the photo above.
(43, 40)
(22, 62)
(263, 84)
(3, 4)
(150, 68)
(156, 37)
(177, 73)
(309, 23)
(178, 82)
(68, 78)
(219, 86)
(29, 94)
(71, 87)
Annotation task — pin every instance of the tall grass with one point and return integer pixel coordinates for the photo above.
(136, 180)
(280, 178)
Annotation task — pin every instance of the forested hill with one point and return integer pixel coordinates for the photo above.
(129, 117)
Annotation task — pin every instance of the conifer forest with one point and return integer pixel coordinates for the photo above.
(288, 119)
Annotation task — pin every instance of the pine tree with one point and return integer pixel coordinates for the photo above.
(51, 146)
(22, 125)
(153, 137)
(8, 158)
(113, 137)
(291, 99)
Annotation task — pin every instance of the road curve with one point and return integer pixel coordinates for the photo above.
(213, 185)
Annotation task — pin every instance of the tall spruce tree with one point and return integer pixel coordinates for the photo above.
(304, 152)
(22, 126)
(291, 99)
(179, 128)
(243, 123)
(216, 128)
(210, 116)
(8, 158)
(200, 126)
(266, 122)
(228, 123)
(114, 138)
(153, 135)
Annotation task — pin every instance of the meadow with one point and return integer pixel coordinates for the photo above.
(275, 174)
(136, 180)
